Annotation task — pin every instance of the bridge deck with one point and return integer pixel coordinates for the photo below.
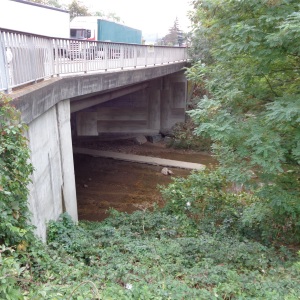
(140, 159)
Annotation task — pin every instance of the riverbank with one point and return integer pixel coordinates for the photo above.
(103, 183)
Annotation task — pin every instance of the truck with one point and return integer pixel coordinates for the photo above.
(20, 15)
(29, 17)
(93, 28)
(34, 18)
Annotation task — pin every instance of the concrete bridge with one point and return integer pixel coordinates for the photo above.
(61, 99)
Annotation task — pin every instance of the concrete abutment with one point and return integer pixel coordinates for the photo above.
(53, 188)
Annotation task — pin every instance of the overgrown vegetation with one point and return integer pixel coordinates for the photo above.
(15, 171)
(157, 255)
(216, 205)
(201, 245)
(251, 73)
(249, 66)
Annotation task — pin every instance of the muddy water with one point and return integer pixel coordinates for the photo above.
(103, 183)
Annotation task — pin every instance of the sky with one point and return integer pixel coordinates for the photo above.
(153, 17)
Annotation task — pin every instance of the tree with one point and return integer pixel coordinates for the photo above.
(251, 69)
(54, 3)
(175, 37)
(109, 16)
(77, 9)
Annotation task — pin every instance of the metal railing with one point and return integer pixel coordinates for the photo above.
(27, 58)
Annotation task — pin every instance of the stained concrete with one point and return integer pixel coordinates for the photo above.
(53, 188)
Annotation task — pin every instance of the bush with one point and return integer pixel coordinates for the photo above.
(184, 138)
(205, 196)
(15, 171)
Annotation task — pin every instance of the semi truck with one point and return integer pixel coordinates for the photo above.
(29, 17)
(93, 28)
(20, 15)
(34, 18)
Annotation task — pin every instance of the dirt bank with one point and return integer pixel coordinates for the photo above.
(103, 183)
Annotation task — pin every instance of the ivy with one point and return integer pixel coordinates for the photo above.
(15, 171)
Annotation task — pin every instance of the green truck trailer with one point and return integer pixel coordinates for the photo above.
(95, 29)
(114, 32)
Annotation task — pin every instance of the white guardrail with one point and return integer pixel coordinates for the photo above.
(27, 58)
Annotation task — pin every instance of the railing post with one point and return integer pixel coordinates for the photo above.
(55, 58)
(122, 53)
(135, 56)
(4, 68)
(85, 54)
(146, 55)
(32, 54)
(106, 56)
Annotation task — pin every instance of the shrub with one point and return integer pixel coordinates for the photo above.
(184, 138)
(205, 196)
(15, 171)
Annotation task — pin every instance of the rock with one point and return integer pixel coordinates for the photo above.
(139, 140)
(154, 138)
(166, 171)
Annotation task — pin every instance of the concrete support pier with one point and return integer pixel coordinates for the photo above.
(53, 188)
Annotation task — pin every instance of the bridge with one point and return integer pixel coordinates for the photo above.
(67, 89)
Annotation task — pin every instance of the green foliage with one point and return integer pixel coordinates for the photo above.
(205, 197)
(152, 255)
(184, 138)
(54, 3)
(148, 255)
(65, 233)
(10, 270)
(251, 110)
(175, 37)
(279, 211)
(269, 215)
(77, 9)
(15, 171)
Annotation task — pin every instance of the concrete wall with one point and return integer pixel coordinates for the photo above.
(159, 105)
(53, 182)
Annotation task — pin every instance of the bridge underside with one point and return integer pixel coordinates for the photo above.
(145, 108)
(142, 101)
